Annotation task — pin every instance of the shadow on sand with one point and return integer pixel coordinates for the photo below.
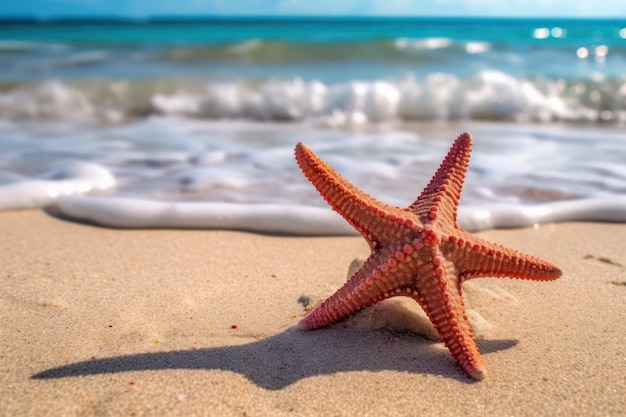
(280, 360)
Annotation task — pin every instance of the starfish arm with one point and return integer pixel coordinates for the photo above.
(373, 219)
(441, 196)
(443, 303)
(377, 279)
(475, 257)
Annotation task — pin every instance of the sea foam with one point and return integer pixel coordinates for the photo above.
(77, 178)
(163, 172)
(487, 95)
(305, 220)
(69, 191)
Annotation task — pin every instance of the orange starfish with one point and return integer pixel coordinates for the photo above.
(418, 252)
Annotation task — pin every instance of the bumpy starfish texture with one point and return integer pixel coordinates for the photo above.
(418, 252)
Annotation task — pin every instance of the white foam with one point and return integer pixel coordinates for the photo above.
(176, 104)
(78, 178)
(477, 47)
(271, 218)
(488, 95)
(51, 100)
(516, 174)
(304, 220)
(474, 218)
(422, 44)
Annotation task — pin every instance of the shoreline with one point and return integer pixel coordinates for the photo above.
(184, 322)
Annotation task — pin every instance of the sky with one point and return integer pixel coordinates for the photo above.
(146, 8)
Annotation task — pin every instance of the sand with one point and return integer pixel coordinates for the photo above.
(98, 321)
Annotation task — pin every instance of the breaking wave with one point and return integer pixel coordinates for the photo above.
(489, 95)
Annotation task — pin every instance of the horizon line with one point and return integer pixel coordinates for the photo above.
(230, 17)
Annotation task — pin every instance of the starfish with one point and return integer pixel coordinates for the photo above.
(418, 252)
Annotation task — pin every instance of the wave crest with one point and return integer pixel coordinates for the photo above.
(488, 95)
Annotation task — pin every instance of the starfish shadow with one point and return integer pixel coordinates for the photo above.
(281, 360)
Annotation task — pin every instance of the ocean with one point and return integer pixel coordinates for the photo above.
(192, 123)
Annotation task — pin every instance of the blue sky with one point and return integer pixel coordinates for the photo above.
(144, 8)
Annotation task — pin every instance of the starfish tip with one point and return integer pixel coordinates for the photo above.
(302, 325)
(478, 374)
(465, 138)
(301, 146)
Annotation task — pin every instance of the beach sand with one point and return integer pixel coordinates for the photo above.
(98, 321)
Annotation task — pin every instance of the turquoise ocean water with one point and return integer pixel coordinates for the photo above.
(208, 110)
(328, 50)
